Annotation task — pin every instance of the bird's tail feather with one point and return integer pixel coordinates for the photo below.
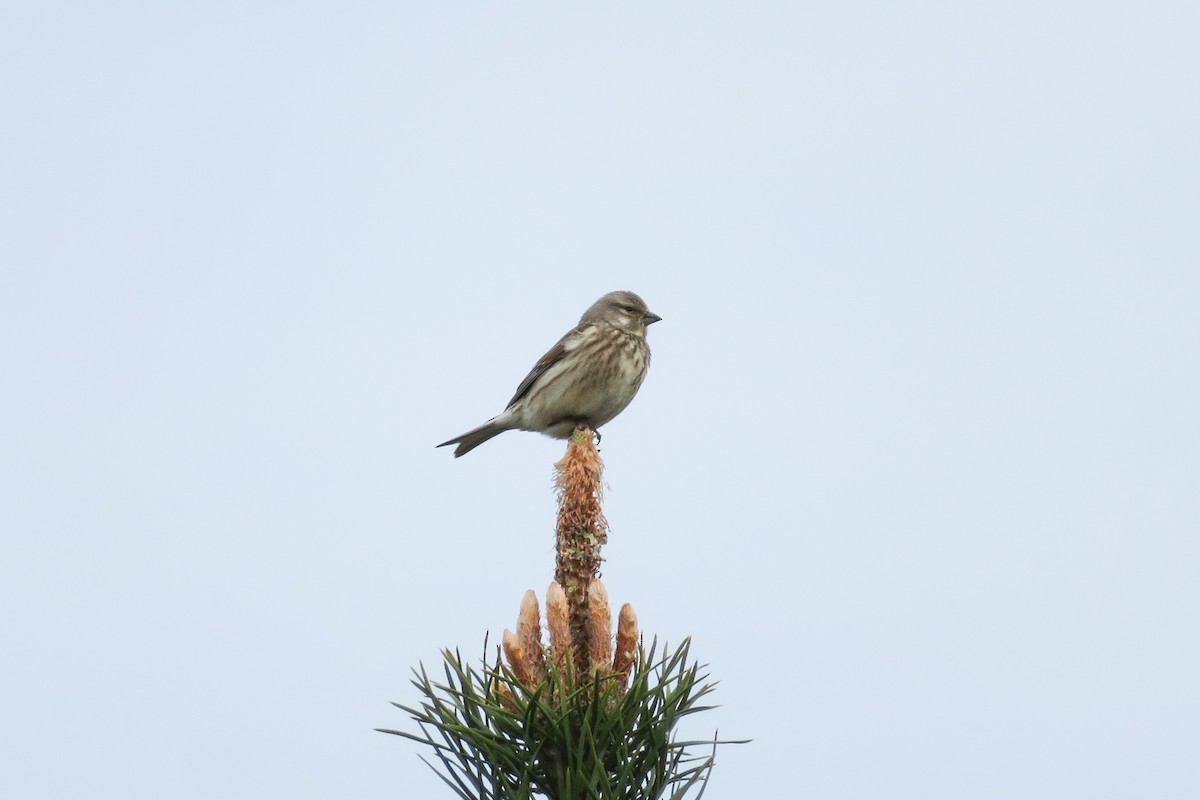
(475, 437)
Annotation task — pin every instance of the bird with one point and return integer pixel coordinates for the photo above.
(587, 378)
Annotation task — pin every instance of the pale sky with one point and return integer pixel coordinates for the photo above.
(916, 465)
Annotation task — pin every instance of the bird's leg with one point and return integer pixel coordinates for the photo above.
(583, 426)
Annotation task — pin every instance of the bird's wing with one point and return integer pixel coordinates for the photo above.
(553, 356)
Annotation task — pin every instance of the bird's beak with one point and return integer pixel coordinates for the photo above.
(650, 318)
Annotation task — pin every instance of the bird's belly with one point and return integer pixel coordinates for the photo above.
(562, 404)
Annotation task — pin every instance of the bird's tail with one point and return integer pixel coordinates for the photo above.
(475, 437)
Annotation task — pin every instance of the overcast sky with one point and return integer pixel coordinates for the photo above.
(916, 465)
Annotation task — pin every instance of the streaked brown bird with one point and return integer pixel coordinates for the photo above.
(589, 377)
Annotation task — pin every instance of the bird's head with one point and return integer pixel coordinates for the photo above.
(623, 309)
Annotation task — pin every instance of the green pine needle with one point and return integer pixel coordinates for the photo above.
(564, 742)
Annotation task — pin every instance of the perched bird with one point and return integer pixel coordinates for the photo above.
(589, 377)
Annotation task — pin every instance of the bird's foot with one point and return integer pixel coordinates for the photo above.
(583, 427)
